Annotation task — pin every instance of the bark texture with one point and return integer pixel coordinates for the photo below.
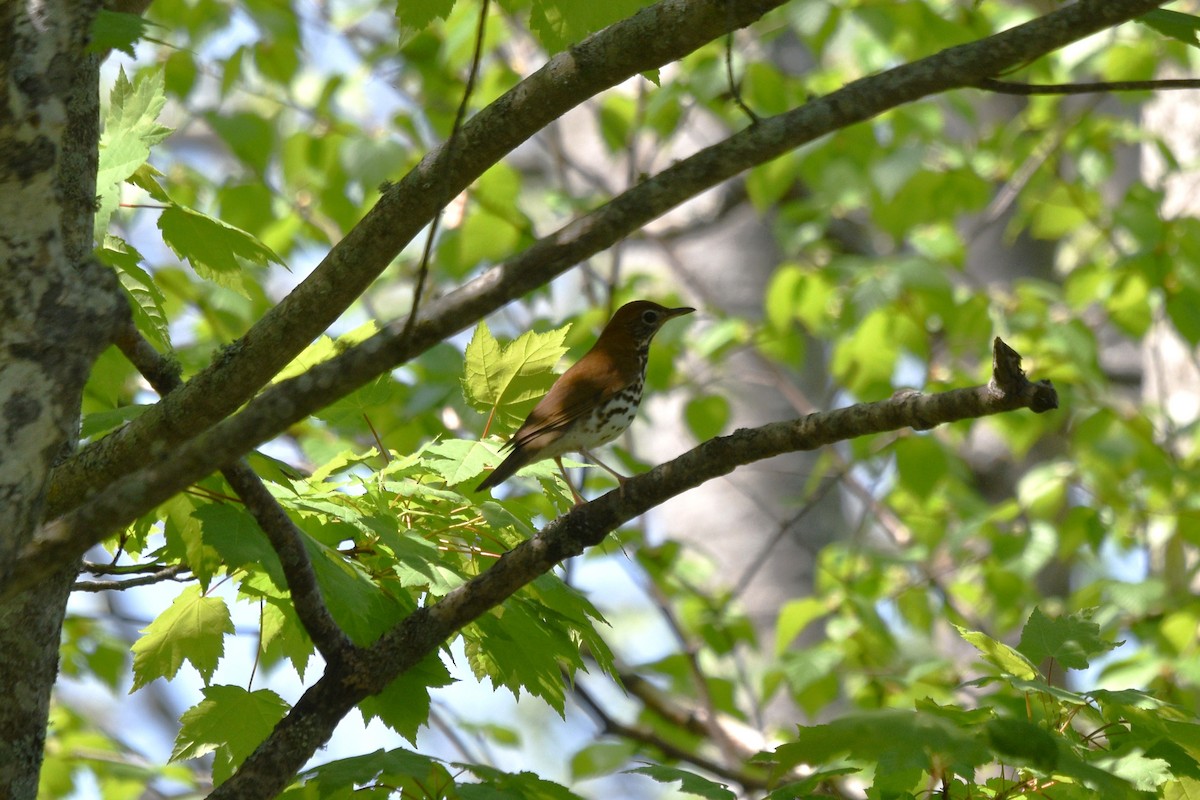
(58, 309)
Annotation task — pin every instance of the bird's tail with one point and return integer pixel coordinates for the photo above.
(516, 459)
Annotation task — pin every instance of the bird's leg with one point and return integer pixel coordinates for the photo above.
(591, 457)
(574, 492)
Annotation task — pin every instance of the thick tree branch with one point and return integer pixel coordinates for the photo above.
(651, 38)
(292, 400)
(312, 720)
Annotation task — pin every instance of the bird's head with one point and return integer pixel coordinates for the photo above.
(641, 319)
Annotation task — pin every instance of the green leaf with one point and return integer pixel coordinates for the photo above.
(130, 129)
(931, 196)
(1124, 699)
(1024, 742)
(865, 360)
(921, 464)
(417, 562)
(1072, 640)
(1060, 212)
(906, 741)
(1096, 777)
(404, 705)
(357, 604)
(1182, 789)
(805, 789)
(416, 15)
(782, 296)
(249, 136)
(401, 768)
(193, 629)
(147, 300)
(235, 535)
(180, 73)
(707, 416)
(1181, 308)
(1174, 24)
(184, 541)
(999, 654)
(690, 782)
(794, 617)
(561, 604)
(483, 239)
(526, 645)
(1129, 303)
(282, 634)
(1038, 686)
(324, 348)
(811, 673)
(504, 381)
(229, 721)
(115, 30)
(104, 421)
(146, 178)
(459, 460)
(601, 758)
(558, 24)
(499, 785)
(232, 73)
(277, 59)
(1146, 774)
(214, 249)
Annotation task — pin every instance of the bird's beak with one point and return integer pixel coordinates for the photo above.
(672, 313)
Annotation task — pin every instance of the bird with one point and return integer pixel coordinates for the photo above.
(594, 401)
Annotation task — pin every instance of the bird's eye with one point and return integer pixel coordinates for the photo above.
(649, 317)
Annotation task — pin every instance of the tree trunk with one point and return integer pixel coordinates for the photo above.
(59, 308)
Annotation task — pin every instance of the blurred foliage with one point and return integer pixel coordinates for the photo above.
(938, 657)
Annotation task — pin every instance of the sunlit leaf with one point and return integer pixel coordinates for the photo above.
(192, 629)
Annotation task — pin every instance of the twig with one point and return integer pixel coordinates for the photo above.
(170, 573)
(163, 374)
(760, 560)
(636, 733)
(735, 90)
(712, 728)
(1025, 89)
(97, 568)
(448, 172)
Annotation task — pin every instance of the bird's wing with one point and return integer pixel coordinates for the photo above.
(573, 395)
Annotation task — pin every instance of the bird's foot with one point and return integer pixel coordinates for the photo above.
(621, 479)
(567, 478)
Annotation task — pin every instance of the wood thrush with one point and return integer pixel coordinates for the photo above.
(594, 401)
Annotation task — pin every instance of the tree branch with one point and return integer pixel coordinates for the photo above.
(312, 720)
(649, 39)
(163, 374)
(288, 542)
(1009, 87)
(747, 779)
(292, 400)
(164, 574)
